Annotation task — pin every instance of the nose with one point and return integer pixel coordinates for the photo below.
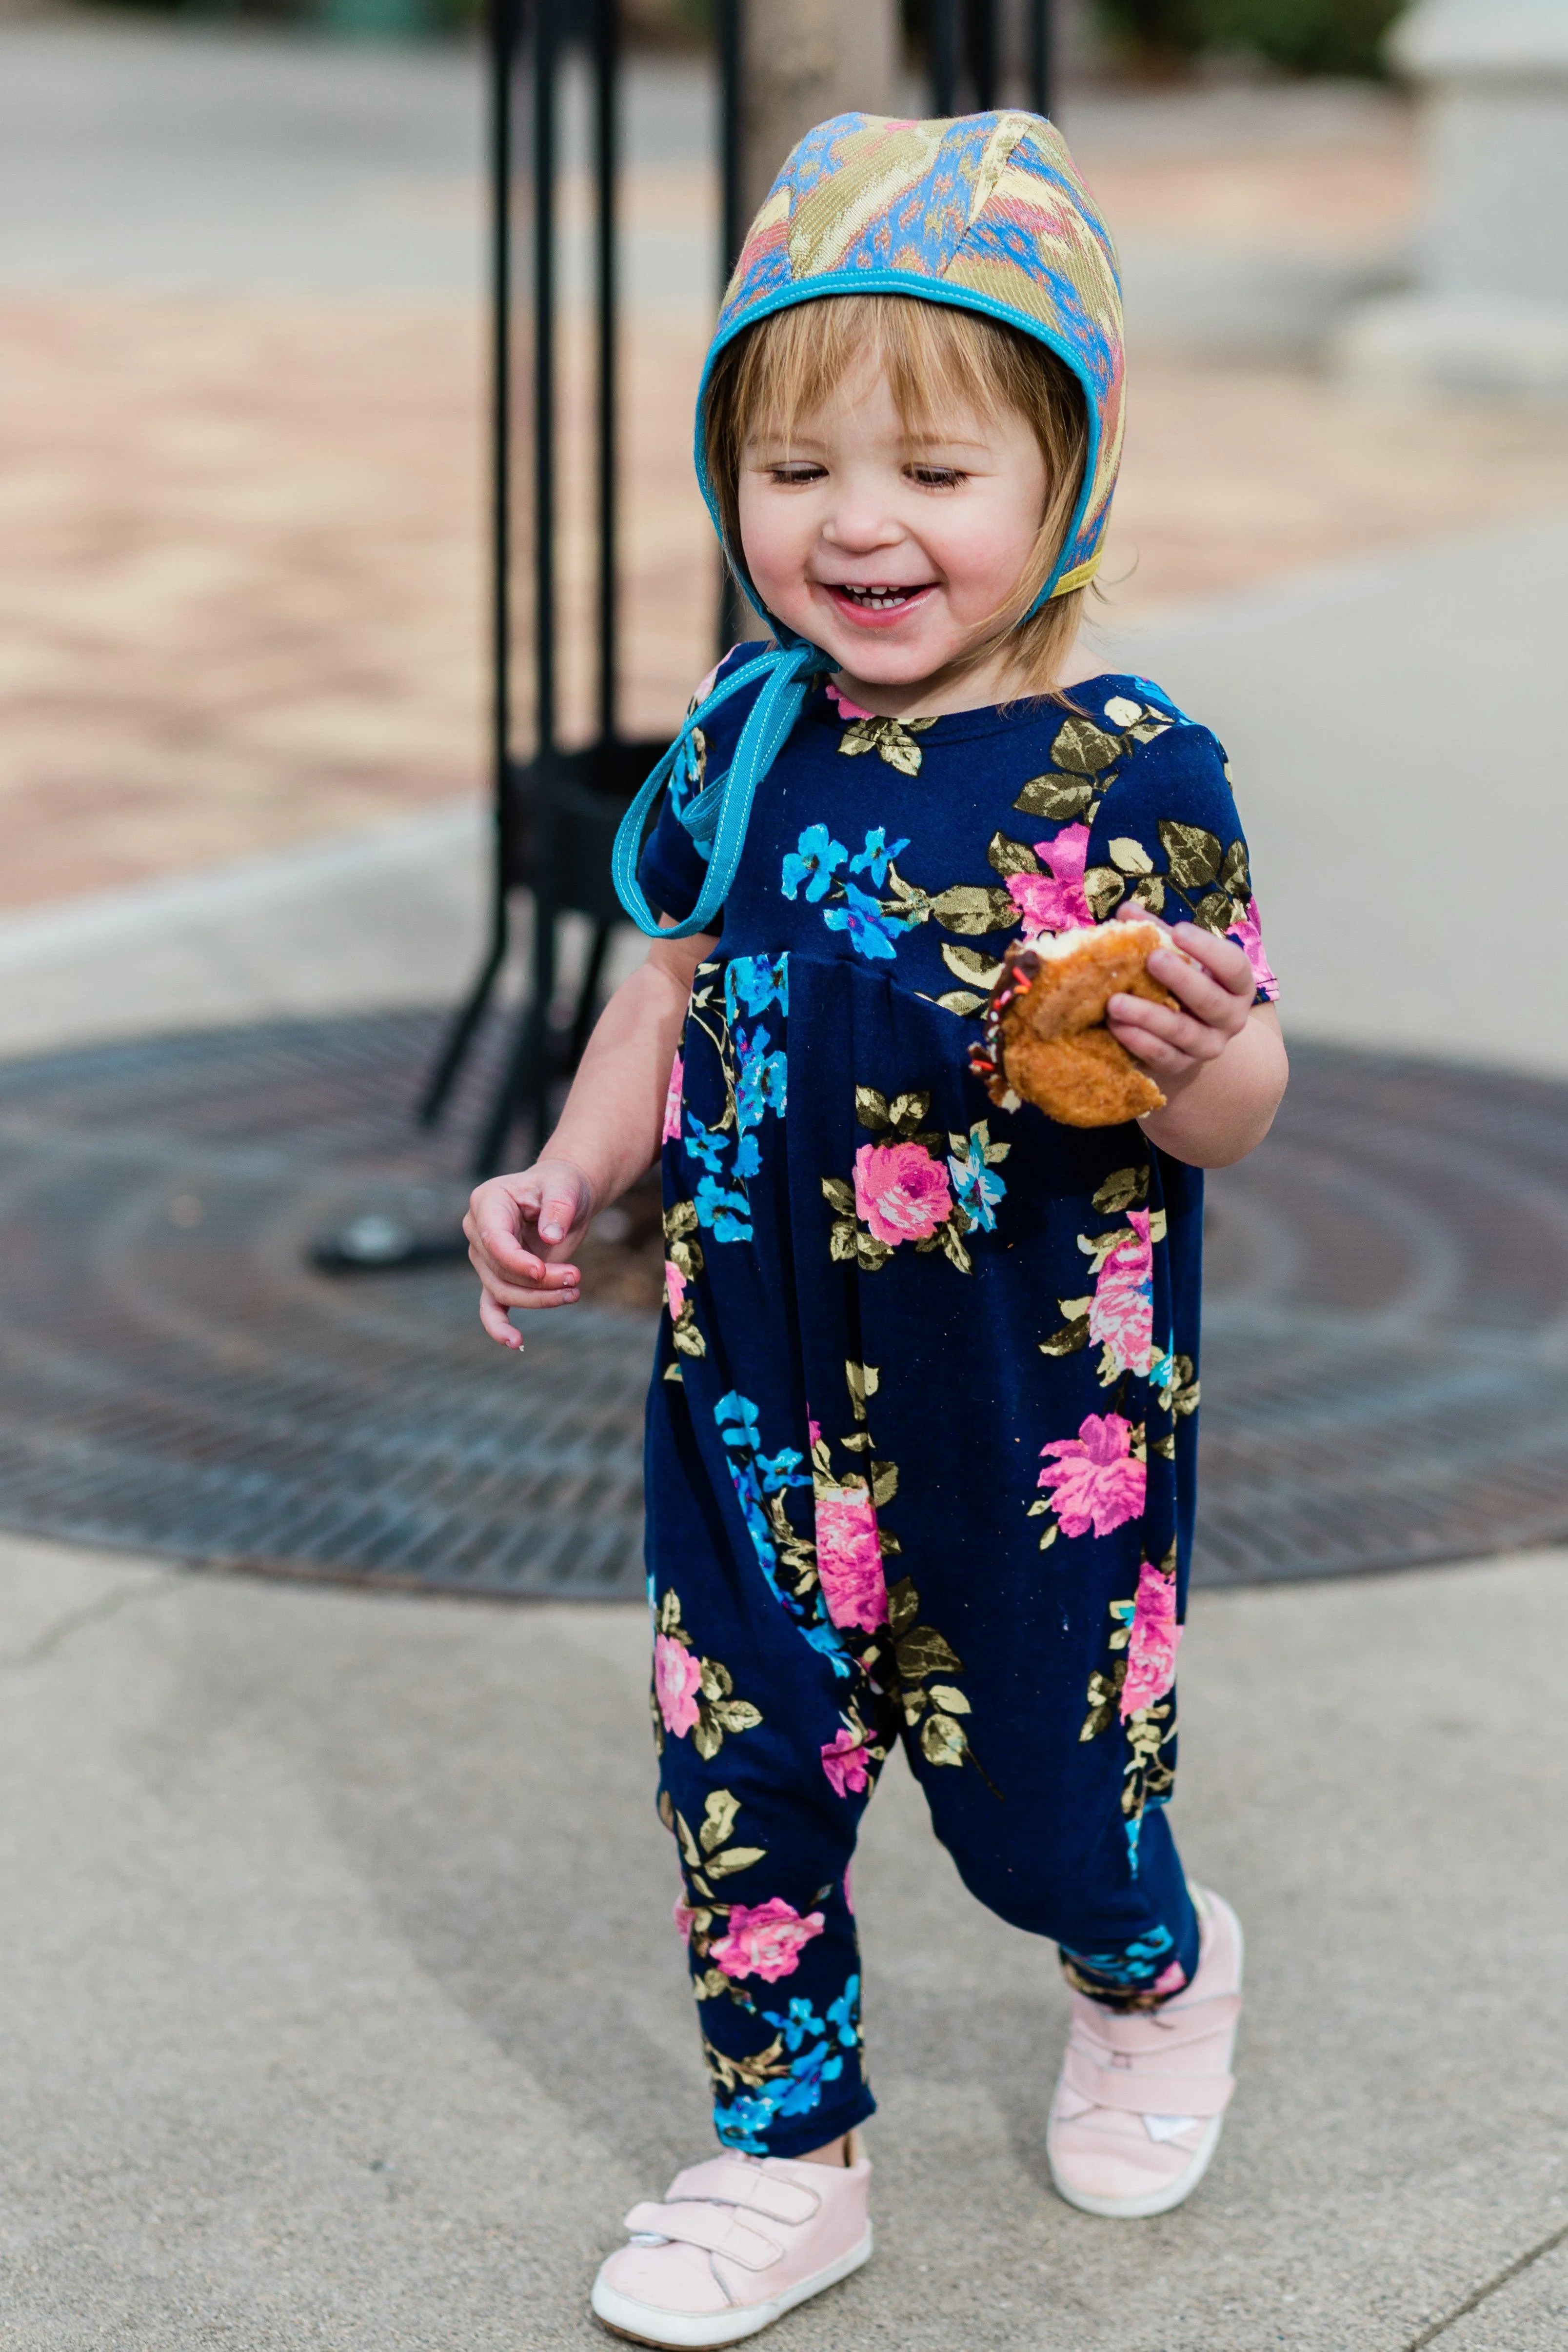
(860, 523)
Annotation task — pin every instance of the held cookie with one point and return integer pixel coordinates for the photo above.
(1045, 1037)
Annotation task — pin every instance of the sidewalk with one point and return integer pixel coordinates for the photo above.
(344, 2008)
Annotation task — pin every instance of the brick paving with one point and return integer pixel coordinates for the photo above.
(241, 592)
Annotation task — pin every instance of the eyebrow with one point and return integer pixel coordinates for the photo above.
(797, 442)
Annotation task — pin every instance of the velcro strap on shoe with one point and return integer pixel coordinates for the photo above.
(1135, 2030)
(724, 2181)
(718, 2228)
(1140, 2094)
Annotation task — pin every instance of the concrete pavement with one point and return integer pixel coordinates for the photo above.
(1387, 722)
(342, 2006)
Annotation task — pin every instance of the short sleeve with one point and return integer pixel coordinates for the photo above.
(671, 870)
(1168, 837)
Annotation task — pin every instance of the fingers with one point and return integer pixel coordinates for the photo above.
(1208, 984)
(494, 1318)
(497, 1212)
(1223, 959)
(554, 1198)
(560, 1204)
(555, 1286)
(1165, 1039)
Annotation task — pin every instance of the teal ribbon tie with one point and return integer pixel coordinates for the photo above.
(717, 818)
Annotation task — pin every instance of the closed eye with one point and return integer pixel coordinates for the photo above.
(797, 472)
(936, 477)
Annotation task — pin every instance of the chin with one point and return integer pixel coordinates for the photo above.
(881, 662)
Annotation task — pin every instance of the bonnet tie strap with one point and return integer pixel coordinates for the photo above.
(717, 818)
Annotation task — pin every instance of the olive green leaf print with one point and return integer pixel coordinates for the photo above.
(683, 1263)
(894, 739)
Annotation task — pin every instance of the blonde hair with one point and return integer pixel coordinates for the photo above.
(936, 358)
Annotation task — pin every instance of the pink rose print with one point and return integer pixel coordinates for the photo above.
(678, 1677)
(1152, 1650)
(1055, 901)
(684, 1916)
(843, 1761)
(901, 1192)
(672, 1133)
(1094, 1480)
(847, 709)
(674, 1289)
(1247, 934)
(1171, 1979)
(849, 1558)
(1122, 1311)
(765, 1940)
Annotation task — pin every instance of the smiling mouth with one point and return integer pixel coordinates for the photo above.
(878, 598)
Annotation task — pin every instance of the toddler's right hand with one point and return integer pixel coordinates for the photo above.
(515, 1226)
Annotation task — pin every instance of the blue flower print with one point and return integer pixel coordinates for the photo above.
(872, 933)
(813, 861)
(747, 1156)
(976, 1184)
(752, 984)
(754, 1475)
(724, 1213)
(736, 1417)
(818, 2046)
(1136, 1965)
(761, 1080)
(845, 2012)
(782, 1469)
(706, 1145)
(794, 2093)
(802, 2019)
(876, 856)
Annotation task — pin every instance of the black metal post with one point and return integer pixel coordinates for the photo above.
(606, 160)
(502, 28)
(1041, 60)
(982, 46)
(732, 227)
(733, 612)
(945, 56)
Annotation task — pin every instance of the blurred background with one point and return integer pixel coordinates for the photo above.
(325, 1907)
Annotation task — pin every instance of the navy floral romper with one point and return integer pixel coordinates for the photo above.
(921, 1435)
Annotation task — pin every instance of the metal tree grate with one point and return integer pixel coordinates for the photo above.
(1386, 1370)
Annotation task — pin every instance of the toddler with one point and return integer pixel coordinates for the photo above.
(921, 1434)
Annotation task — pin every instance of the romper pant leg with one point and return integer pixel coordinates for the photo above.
(1059, 1828)
(764, 1821)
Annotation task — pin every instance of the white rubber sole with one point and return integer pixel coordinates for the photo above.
(672, 2331)
(1175, 2192)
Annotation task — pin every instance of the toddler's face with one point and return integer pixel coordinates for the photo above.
(890, 554)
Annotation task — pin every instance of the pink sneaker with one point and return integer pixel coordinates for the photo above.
(1142, 2096)
(739, 2241)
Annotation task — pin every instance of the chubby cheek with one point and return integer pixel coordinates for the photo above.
(982, 552)
(775, 540)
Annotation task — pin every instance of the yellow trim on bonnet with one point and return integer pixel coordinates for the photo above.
(1079, 577)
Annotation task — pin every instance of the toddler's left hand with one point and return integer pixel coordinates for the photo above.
(1215, 990)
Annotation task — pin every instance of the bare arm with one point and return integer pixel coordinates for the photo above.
(1218, 1058)
(522, 1229)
